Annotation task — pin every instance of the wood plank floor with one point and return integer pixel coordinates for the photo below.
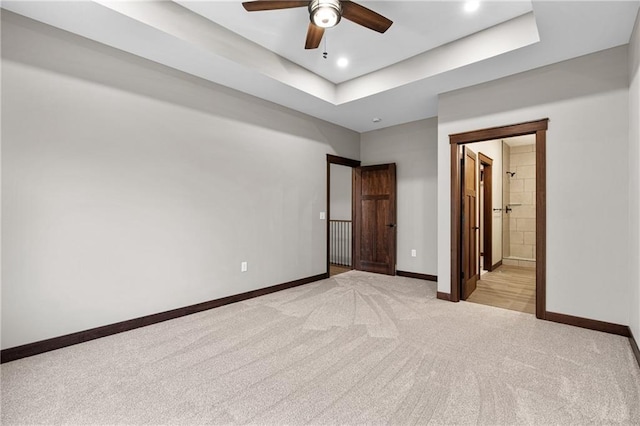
(508, 287)
(337, 269)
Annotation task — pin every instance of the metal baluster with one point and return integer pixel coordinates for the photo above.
(333, 242)
(340, 243)
(349, 244)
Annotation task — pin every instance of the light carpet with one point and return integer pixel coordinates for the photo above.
(358, 348)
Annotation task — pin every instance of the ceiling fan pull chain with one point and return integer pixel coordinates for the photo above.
(325, 54)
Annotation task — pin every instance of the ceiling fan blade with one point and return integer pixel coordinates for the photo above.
(314, 36)
(365, 17)
(257, 5)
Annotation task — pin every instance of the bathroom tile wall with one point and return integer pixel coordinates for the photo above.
(506, 186)
(522, 197)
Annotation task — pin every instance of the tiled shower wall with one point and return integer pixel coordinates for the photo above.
(522, 197)
(506, 226)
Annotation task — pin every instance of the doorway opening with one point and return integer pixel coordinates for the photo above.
(340, 212)
(507, 274)
(361, 213)
(463, 216)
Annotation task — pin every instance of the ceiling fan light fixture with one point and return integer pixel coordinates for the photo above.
(325, 13)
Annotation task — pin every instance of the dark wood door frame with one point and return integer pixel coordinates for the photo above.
(487, 211)
(538, 128)
(342, 161)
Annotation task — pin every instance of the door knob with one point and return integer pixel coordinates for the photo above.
(391, 225)
(475, 228)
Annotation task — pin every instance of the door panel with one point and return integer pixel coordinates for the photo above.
(382, 240)
(368, 230)
(469, 223)
(375, 218)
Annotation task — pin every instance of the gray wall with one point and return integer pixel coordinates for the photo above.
(587, 101)
(634, 178)
(341, 192)
(413, 148)
(129, 188)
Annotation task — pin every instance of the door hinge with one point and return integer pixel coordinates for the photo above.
(462, 275)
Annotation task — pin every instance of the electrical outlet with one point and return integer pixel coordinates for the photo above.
(413, 253)
(243, 267)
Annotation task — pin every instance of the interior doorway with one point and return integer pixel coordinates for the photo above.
(340, 212)
(460, 230)
(361, 217)
(507, 277)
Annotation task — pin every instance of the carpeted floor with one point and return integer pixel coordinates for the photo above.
(354, 349)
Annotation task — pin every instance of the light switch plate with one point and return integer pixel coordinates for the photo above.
(323, 215)
(413, 253)
(243, 267)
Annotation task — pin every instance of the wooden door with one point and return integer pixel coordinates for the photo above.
(375, 218)
(469, 223)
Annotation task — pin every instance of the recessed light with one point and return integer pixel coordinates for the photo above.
(471, 5)
(377, 120)
(342, 62)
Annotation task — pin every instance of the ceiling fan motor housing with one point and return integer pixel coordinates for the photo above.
(325, 13)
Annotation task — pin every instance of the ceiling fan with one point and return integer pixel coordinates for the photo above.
(325, 14)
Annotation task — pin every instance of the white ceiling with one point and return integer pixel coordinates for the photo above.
(432, 47)
(419, 26)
